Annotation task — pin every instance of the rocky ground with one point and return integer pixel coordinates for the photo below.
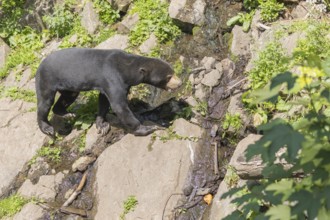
(170, 173)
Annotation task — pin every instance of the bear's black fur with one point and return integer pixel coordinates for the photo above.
(112, 72)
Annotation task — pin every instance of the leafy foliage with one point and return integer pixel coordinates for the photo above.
(24, 46)
(244, 19)
(303, 142)
(270, 9)
(12, 11)
(61, 21)
(129, 205)
(154, 18)
(11, 205)
(52, 154)
(107, 14)
(16, 93)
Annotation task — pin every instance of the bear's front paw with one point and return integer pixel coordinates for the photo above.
(143, 130)
(48, 130)
(102, 127)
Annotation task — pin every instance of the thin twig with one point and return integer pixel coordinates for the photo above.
(260, 25)
(216, 167)
(168, 199)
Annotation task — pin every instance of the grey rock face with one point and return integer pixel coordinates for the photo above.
(89, 18)
(20, 139)
(212, 78)
(44, 189)
(121, 5)
(117, 41)
(29, 212)
(241, 42)
(128, 23)
(147, 46)
(4, 51)
(188, 13)
(150, 173)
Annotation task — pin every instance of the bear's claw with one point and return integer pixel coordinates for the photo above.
(143, 130)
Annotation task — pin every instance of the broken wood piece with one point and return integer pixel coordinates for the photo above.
(216, 167)
(77, 191)
(70, 210)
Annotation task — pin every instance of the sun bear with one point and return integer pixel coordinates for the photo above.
(111, 72)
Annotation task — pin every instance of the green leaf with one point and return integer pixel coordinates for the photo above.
(323, 214)
(286, 77)
(233, 20)
(280, 212)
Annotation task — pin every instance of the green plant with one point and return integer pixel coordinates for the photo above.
(244, 19)
(107, 14)
(250, 4)
(86, 111)
(15, 93)
(83, 39)
(12, 11)
(154, 18)
(178, 67)
(232, 121)
(201, 108)
(61, 22)
(11, 205)
(129, 206)
(231, 178)
(25, 45)
(270, 9)
(52, 154)
(140, 91)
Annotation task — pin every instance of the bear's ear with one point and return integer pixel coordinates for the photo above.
(142, 71)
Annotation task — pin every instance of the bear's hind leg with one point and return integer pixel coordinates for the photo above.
(63, 102)
(44, 105)
(102, 126)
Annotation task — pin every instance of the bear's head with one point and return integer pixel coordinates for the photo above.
(160, 74)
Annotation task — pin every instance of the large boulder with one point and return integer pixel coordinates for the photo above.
(187, 14)
(89, 18)
(121, 5)
(151, 170)
(20, 139)
(117, 41)
(4, 51)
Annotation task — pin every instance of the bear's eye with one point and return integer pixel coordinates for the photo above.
(168, 77)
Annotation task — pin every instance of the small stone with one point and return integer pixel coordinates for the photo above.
(191, 101)
(208, 62)
(228, 67)
(212, 78)
(201, 92)
(39, 168)
(91, 137)
(199, 77)
(218, 66)
(147, 46)
(214, 130)
(29, 211)
(82, 163)
(128, 23)
(192, 79)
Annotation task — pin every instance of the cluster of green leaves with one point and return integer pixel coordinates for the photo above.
(129, 206)
(61, 22)
(107, 14)
(201, 108)
(304, 141)
(269, 9)
(232, 121)
(86, 111)
(307, 149)
(154, 18)
(15, 93)
(140, 91)
(12, 11)
(11, 205)
(244, 19)
(51, 153)
(24, 46)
